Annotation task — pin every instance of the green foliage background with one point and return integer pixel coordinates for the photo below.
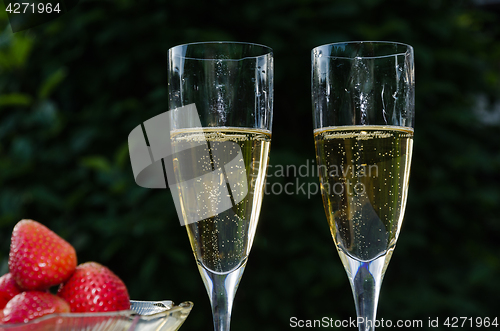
(71, 91)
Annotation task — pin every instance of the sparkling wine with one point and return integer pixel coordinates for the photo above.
(221, 243)
(364, 173)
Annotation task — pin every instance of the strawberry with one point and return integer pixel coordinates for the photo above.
(94, 288)
(32, 304)
(38, 257)
(8, 289)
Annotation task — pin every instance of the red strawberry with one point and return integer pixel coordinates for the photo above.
(38, 257)
(8, 289)
(94, 288)
(33, 304)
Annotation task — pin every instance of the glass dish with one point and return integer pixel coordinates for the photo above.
(142, 316)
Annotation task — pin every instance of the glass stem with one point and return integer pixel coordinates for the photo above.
(221, 288)
(366, 279)
(366, 290)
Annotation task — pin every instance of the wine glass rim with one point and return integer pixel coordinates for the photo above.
(409, 48)
(266, 50)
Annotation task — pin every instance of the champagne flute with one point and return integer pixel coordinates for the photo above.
(221, 156)
(363, 110)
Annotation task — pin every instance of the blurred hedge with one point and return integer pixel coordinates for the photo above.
(72, 89)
